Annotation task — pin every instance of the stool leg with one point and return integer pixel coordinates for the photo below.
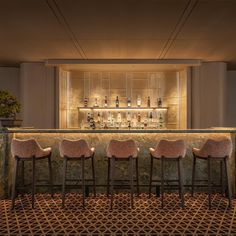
(93, 173)
(193, 173)
(13, 196)
(162, 182)
(83, 183)
(150, 181)
(226, 162)
(180, 170)
(108, 176)
(111, 180)
(50, 174)
(131, 181)
(221, 178)
(23, 173)
(64, 182)
(34, 181)
(209, 180)
(137, 176)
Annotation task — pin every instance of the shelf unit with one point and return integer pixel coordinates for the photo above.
(122, 108)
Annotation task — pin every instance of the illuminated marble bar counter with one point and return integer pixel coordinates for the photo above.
(99, 139)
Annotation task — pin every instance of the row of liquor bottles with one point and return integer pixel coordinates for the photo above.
(116, 103)
(124, 120)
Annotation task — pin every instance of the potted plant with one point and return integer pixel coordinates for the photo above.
(9, 107)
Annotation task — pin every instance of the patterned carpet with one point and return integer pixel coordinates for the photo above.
(147, 218)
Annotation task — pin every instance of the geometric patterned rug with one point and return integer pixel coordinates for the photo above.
(147, 217)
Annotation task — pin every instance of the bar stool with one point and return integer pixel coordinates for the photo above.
(168, 150)
(29, 150)
(76, 150)
(122, 150)
(214, 150)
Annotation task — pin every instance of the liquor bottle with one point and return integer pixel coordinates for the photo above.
(88, 117)
(129, 124)
(160, 121)
(148, 102)
(128, 116)
(159, 102)
(117, 101)
(99, 117)
(96, 103)
(139, 101)
(150, 116)
(139, 117)
(105, 101)
(128, 102)
(85, 102)
(145, 123)
(109, 117)
(119, 117)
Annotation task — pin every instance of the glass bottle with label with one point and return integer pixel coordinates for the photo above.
(148, 102)
(160, 121)
(159, 102)
(128, 102)
(85, 102)
(139, 117)
(139, 101)
(150, 117)
(96, 102)
(128, 116)
(119, 117)
(117, 101)
(105, 102)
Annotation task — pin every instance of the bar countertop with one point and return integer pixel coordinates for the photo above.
(32, 130)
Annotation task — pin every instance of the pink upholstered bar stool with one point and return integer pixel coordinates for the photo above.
(214, 150)
(28, 150)
(168, 150)
(122, 150)
(76, 150)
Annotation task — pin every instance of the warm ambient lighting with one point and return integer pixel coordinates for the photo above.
(122, 108)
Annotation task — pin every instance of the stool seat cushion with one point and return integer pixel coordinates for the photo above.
(169, 149)
(75, 148)
(122, 149)
(28, 148)
(214, 148)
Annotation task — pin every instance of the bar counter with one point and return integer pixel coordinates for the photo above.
(99, 139)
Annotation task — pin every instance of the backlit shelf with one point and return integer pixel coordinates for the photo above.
(122, 108)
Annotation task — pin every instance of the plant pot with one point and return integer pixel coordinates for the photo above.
(9, 122)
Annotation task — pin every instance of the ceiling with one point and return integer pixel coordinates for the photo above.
(38, 30)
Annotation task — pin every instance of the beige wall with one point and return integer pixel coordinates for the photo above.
(38, 95)
(208, 95)
(230, 90)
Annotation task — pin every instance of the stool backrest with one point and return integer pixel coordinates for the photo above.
(122, 148)
(216, 148)
(25, 148)
(74, 148)
(170, 148)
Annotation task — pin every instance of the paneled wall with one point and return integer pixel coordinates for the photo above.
(209, 95)
(76, 85)
(38, 95)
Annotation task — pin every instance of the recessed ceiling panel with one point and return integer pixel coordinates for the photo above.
(122, 19)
